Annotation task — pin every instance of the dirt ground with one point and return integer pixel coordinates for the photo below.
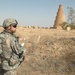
(48, 51)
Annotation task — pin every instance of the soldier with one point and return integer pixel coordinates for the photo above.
(12, 53)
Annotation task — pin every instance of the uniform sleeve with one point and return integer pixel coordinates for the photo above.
(0, 45)
(6, 49)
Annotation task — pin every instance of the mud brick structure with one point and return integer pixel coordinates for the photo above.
(60, 17)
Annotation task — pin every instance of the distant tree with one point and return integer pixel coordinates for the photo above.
(71, 16)
(63, 25)
(70, 19)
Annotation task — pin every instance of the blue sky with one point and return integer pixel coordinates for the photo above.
(33, 12)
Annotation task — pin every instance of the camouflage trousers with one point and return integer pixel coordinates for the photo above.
(11, 72)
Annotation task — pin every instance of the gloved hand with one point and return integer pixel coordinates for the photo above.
(22, 59)
(21, 54)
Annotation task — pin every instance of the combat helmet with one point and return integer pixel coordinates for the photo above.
(9, 21)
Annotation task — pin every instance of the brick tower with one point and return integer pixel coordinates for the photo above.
(60, 18)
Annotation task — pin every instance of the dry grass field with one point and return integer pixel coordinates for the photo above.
(48, 51)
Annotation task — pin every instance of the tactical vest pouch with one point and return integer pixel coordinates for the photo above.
(18, 48)
(13, 60)
(20, 51)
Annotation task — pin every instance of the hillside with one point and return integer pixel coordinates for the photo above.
(48, 51)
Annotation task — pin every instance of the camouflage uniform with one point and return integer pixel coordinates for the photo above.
(12, 52)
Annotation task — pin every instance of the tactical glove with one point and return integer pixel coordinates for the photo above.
(21, 54)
